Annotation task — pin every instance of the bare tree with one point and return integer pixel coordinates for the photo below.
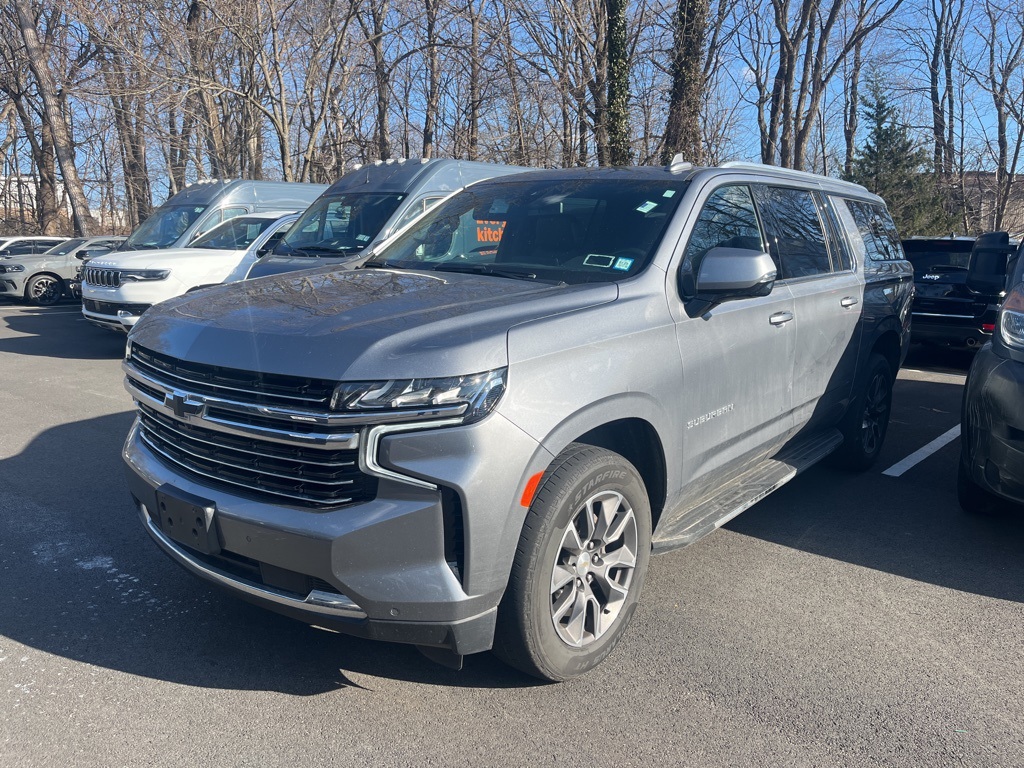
(56, 121)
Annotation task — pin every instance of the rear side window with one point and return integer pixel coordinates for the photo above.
(796, 238)
(872, 223)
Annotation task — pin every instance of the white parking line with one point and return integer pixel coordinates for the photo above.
(921, 454)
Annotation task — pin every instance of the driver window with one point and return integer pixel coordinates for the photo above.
(728, 220)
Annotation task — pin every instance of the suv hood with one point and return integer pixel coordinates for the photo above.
(358, 325)
(161, 258)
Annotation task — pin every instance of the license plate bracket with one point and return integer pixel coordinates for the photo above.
(188, 519)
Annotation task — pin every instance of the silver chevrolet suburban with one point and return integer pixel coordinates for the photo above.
(477, 437)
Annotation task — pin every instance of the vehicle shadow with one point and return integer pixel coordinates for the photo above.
(58, 332)
(930, 357)
(83, 581)
(909, 526)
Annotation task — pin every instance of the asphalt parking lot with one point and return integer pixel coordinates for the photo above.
(845, 620)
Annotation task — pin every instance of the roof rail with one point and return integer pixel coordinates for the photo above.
(802, 175)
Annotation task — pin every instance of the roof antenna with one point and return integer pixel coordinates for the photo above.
(679, 164)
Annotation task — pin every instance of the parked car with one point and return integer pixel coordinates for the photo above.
(186, 217)
(18, 245)
(947, 311)
(466, 447)
(44, 278)
(203, 205)
(367, 205)
(992, 422)
(119, 287)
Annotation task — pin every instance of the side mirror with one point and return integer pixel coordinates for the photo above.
(987, 268)
(83, 254)
(731, 273)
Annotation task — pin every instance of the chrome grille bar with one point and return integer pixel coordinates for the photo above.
(107, 278)
(215, 478)
(155, 435)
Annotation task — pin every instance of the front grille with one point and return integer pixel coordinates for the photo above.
(234, 384)
(108, 278)
(112, 307)
(312, 477)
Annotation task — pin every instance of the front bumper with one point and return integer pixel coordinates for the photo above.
(382, 569)
(116, 316)
(992, 438)
(12, 285)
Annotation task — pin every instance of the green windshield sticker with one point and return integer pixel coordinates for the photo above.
(623, 264)
(647, 207)
(669, 193)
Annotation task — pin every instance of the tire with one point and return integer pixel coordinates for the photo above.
(44, 290)
(867, 420)
(974, 500)
(567, 604)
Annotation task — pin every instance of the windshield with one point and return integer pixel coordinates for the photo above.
(573, 231)
(339, 226)
(236, 234)
(66, 247)
(163, 228)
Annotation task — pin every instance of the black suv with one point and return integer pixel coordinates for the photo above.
(947, 309)
(992, 423)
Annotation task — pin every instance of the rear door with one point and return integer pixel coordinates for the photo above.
(828, 295)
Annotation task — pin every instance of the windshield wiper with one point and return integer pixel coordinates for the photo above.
(485, 269)
(318, 251)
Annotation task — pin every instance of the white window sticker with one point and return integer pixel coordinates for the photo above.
(623, 264)
(362, 238)
(669, 193)
(647, 207)
(598, 260)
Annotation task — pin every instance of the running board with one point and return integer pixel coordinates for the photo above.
(712, 512)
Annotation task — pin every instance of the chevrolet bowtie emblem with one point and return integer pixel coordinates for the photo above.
(184, 406)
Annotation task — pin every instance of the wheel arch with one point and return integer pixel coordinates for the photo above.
(625, 425)
(888, 346)
(44, 273)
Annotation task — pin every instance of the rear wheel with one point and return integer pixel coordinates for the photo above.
(867, 420)
(44, 290)
(579, 566)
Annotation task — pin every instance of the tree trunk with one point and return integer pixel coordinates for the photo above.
(683, 132)
(619, 149)
(53, 114)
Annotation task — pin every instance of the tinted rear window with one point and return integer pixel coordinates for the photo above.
(929, 255)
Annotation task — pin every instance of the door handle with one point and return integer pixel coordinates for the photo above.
(780, 318)
(848, 301)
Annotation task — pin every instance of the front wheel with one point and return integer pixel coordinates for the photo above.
(44, 290)
(579, 567)
(867, 419)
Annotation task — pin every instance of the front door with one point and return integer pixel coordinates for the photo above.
(736, 393)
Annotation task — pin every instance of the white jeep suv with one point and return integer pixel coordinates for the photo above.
(119, 287)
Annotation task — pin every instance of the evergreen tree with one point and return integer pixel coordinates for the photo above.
(893, 166)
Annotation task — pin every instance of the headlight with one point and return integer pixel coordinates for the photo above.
(1011, 318)
(478, 392)
(137, 275)
(11, 268)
